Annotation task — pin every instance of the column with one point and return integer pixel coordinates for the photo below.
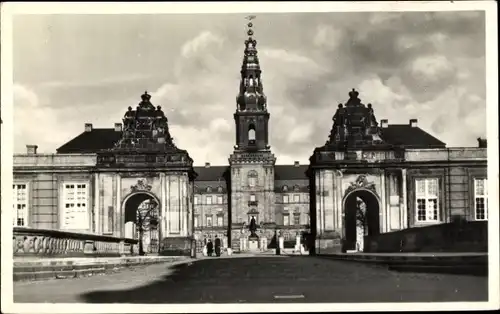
(97, 198)
(404, 216)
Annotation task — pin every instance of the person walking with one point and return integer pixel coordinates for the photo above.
(217, 246)
(210, 248)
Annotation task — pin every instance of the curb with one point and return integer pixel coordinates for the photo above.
(459, 264)
(43, 270)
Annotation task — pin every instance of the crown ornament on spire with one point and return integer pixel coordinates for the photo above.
(353, 94)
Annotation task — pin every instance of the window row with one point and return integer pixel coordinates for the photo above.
(208, 199)
(75, 208)
(285, 198)
(209, 189)
(294, 219)
(208, 221)
(427, 205)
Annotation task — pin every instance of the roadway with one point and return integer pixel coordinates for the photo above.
(257, 279)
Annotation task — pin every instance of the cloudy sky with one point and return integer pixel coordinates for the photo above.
(75, 69)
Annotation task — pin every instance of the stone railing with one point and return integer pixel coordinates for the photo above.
(55, 160)
(54, 243)
(452, 154)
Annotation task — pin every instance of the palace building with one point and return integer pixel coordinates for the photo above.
(368, 178)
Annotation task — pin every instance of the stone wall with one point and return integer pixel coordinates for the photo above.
(459, 236)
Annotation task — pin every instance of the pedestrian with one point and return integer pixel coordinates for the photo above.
(217, 246)
(210, 248)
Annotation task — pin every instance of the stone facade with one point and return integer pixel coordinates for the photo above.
(368, 178)
(403, 181)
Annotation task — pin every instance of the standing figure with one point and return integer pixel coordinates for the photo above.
(217, 246)
(210, 248)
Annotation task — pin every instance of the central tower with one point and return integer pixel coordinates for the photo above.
(252, 163)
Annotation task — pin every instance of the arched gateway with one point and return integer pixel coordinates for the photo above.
(145, 149)
(361, 217)
(142, 213)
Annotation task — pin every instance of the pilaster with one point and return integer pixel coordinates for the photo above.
(163, 208)
(404, 209)
(119, 214)
(383, 206)
(97, 207)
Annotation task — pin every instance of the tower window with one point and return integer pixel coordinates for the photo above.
(252, 178)
(251, 132)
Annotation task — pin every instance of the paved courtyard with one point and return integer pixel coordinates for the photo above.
(257, 279)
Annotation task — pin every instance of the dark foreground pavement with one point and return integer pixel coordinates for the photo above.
(257, 279)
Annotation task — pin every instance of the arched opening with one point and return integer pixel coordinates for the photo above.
(361, 218)
(251, 134)
(142, 213)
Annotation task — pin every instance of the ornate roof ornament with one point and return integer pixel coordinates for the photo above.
(146, 127)
(355, 125)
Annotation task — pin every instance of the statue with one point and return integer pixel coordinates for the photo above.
(160, 119)
(339, 118)
(372, 121)
(128, 119)
(252, 227)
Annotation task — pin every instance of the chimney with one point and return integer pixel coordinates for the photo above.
(118, 127)
(413, 123)
(482, 142)
(31, 149)
(384, 123)
(296, 163)
(207, 165)
(88, 127)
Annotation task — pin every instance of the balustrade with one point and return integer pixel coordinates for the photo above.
(55, 243)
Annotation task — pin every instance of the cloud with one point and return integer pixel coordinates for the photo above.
(200, 43)
(33, 123)
(424, 65)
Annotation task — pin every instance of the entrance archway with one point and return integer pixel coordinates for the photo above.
(142, 213)
(361, 217)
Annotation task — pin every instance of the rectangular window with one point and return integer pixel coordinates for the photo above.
(285, 199)
(75, 203)
(196, 221)
(196, 200)
(286, 219)
(209, 199)
(296, 219)
(252, 197)
(20, 205)
(220, 221)
(427, 200)
(296, 198)
(209, 221)
(220, 199)
(481, 199)
(285, 209)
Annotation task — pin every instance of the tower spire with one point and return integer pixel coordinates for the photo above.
(251, 95)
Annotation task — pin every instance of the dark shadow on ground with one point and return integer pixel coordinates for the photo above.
(183, 282)
(260, 279)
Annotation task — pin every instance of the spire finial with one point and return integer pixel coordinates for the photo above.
(250, 25)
